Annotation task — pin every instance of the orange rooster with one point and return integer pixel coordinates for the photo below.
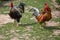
(45, 15)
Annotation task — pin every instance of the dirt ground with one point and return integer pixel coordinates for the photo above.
(5, 19)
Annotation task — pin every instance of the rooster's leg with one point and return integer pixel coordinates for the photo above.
(15, 22)
(18, 20)
(44, 24)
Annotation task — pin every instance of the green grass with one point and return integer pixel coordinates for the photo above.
(35, 31)
(58, 1)
(56, 19)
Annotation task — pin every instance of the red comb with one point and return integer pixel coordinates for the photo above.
(11, 4)
(46, 6)
(46, 3)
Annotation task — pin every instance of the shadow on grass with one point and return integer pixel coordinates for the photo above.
(27, 24)
(52, 27)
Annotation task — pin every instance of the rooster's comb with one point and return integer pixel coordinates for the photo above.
(46, 3)
(11, 4)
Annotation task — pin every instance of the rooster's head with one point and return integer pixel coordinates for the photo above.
(11, 5)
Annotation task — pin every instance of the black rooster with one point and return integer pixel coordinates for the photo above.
(14, 13)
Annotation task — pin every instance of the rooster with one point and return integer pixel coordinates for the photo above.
(46, 12)
(43, 16)
(14, 13)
